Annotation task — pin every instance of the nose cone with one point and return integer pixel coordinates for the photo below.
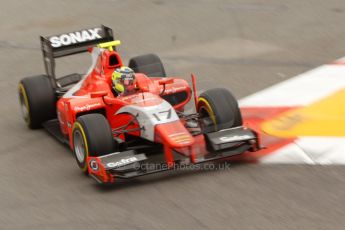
(174, 134)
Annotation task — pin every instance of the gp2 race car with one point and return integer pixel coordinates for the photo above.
(122, 136)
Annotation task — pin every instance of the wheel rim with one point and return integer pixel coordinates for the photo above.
(205, 115)
(79, 146)
(24, 107)
(205, 111)
(207, 120)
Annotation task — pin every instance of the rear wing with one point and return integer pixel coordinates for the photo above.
(71, 43)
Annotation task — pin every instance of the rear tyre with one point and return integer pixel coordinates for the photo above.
(37, 100)
(92, 136)
(148, 64)
(218, 109)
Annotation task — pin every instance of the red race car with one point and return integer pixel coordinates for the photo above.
(125, 136)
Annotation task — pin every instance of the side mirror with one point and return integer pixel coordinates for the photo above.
(113, 101)
(165, 81)
(142, 86)
(98, 94)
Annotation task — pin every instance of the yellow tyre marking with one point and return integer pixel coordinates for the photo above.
(209, 110)
(323, 118)
(77, 125)
(26, 101)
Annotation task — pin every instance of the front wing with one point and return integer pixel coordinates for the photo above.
(134, 163)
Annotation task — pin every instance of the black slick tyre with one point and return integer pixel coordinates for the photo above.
(218, 109)
(37, 100)
(92, 136)
(148, 64)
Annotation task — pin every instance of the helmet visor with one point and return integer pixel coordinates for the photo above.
(127, 79)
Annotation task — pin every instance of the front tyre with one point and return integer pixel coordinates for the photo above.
(92, 136)
(218, 109)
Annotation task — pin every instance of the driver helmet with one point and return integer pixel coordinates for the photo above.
(123, 79)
